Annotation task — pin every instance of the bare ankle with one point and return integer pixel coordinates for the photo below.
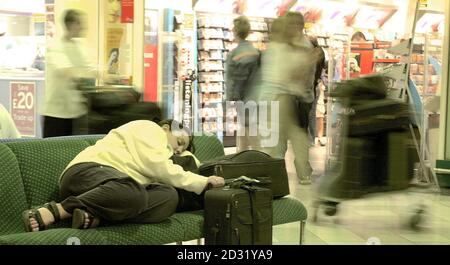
(62, 212)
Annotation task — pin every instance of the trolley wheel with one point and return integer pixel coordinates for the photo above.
(416, 220)
(331, 208)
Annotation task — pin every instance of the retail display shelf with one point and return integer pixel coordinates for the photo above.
(211, 70)
(211, 103)
(386, 61)
(210, 59)
(210, 82)
(212, 38)
(214, 27)
(211, 91)
(212, 49)
(215, 41)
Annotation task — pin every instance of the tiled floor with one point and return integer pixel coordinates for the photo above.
(376, 219)
(381, 217)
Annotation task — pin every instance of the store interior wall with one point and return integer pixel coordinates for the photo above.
(25, 6)
(182, 5)
(444, 143)
(114, 34)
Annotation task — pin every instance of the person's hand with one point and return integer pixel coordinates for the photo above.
(215, 182)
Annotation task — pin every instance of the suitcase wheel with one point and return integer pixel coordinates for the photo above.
(417, 219)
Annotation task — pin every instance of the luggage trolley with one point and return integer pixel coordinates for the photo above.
(377, 147)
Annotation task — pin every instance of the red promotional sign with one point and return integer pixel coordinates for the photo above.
(151, 56)
(151, 73)
(127, 11)
(23, 107)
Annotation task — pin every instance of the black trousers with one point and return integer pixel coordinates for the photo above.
(57, 127)
(115, 197)
(54, 127)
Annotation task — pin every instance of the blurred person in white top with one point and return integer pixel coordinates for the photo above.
(288, 70)
(8, 129)
(66, 63)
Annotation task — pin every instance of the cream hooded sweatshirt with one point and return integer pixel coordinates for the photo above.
(140, 149)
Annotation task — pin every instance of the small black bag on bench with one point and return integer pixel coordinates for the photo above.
(188, 201)
(270, 172)
(238, 214)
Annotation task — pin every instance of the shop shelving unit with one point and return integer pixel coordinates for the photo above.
(425, 72)
(339, 48)
(216, 40)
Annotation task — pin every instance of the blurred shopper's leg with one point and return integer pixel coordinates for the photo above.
(242, 141)
(298, 137)
(268, 139)
(304, 115)
(300, 145)
(312, 127)
(57, 127)
(250, 141)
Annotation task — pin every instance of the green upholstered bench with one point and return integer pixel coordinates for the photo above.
(29, 172)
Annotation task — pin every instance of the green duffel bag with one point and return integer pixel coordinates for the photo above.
(270, 172)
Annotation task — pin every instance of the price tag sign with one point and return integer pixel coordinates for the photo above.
(23, 107)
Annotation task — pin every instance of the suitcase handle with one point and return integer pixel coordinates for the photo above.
(255, 224)
(254, 151)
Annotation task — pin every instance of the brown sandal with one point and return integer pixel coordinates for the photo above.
(35, 214)
(79, 220)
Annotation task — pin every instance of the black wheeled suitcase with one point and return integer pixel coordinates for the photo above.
(271, 172)
(238, 216)
(378, 116)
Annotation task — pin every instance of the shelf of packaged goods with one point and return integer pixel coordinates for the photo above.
(227, 119)
(210, 118)
(214, 27)
(215, 49)
(211, 70)
(210, 59)
(208, 131)
(212, 38)
(212, 92)
(211, 103)
(386, 61)
(209, 82)
(420, 63)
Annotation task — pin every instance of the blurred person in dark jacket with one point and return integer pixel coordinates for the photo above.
(241, 67)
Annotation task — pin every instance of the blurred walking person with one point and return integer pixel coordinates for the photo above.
(288, 68)
(66, 64)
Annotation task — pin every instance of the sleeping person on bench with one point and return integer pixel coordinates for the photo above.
(126, 177)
